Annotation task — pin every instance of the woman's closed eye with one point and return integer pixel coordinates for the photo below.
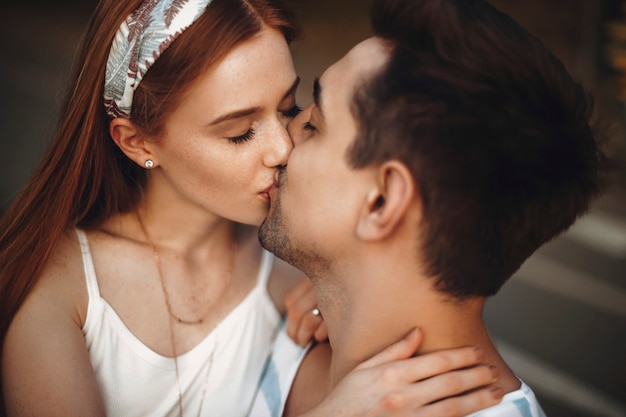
(242, 138)
(290, 114)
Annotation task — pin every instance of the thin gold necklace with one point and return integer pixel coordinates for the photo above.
(171, 316)
(157, 260)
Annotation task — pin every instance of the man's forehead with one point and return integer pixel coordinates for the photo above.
(362, 61)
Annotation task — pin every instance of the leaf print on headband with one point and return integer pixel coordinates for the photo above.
(139, 42)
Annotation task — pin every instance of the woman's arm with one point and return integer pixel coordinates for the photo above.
(46, 370)
(393, 383)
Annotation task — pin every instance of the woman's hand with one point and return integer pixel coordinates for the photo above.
(448, 383)
(304, 321)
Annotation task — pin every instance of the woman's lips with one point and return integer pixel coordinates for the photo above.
(266, 193)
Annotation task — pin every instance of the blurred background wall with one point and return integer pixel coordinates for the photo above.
(560, 322)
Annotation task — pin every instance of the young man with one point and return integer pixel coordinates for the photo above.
(437, 157)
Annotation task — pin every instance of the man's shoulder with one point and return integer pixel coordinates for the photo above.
(519, 403)
(311, 382)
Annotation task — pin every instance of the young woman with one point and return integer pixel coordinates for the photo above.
(129, 284)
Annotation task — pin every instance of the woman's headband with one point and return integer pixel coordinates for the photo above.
(141, 39)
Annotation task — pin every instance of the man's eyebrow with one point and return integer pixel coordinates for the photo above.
(317, 95)
(246, 112)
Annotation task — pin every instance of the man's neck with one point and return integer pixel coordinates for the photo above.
(383, 303)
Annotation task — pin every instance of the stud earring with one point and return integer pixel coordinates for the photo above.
(149, 163)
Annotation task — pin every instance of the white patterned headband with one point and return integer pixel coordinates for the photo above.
(140, 40)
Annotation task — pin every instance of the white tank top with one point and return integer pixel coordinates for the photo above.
(136, 381)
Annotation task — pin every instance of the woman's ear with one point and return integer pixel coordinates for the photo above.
(388, 201)
(131, 141)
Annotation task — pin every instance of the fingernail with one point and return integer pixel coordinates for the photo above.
(479, 353)
(494, 373)
(497, 393)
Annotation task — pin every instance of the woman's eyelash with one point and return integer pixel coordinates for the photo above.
(292, 112)
(242, 138)
(308, 126)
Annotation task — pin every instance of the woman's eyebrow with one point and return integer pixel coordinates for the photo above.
(235, 115)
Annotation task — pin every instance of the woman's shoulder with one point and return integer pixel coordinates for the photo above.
(65, 258)
(62, 280)
(45, 336)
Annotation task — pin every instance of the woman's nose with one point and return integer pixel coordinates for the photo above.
(281, 147)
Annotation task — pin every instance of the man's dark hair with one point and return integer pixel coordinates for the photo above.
(493, 128)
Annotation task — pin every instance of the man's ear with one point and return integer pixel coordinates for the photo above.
(388, 201)
(131, 141)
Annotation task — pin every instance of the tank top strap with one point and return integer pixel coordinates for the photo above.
(90, 272)
(265, 270)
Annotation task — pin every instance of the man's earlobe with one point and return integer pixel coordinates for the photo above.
(387, 203)
(129, 139)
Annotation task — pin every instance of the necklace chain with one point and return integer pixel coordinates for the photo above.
(171, 317)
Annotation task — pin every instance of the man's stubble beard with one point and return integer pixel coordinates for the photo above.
(274, 236)
(272, 233)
